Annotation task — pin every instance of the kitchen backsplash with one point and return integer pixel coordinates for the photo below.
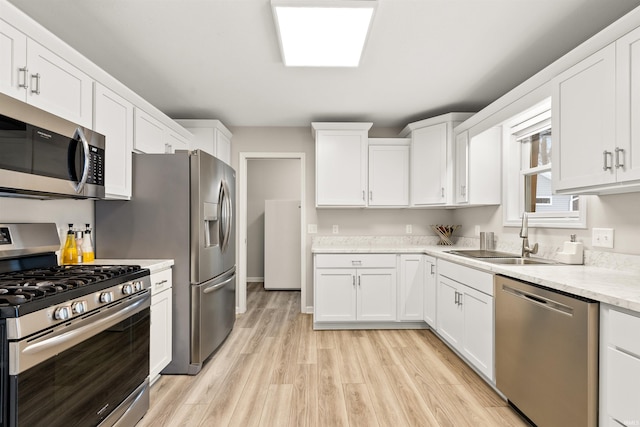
(620, 262)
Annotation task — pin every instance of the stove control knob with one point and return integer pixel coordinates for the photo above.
(79, 307)
(106, 297)
(127, 289)
(61, 313)
(137, 286)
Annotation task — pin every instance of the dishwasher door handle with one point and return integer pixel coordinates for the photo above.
(542, 302)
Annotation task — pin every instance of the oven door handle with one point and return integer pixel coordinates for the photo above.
(26, 353)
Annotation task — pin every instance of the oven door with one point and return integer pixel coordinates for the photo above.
(80, 373)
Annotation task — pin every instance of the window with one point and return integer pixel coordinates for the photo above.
(528, 145)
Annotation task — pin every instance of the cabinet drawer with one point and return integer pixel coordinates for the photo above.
(624, 331)
(161, 281)
(471, 277)
(355, 261)
(623, 393)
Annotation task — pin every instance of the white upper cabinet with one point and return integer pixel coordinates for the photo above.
(388, 172)
(628, 107)
(596, 120)
(33, 74)
(583, 123)
(113, 117)
(13, 62)
(149, 134)
(210, 136)
(431, 166)
(341, 164)
(478, 168)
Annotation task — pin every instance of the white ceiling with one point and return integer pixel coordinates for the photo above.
(220, 58)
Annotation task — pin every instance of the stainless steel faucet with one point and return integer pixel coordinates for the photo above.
(524, 233)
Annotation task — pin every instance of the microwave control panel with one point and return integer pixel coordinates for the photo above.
(96, 165)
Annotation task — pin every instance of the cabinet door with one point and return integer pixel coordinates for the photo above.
(628, 106)
(148, 133)
(203, 139)
(429, 165)
(462, 167)
(583, 123)
(623, 394)
(335, 295)
(484, 168)
(113, 117)
(161, 335)
(478, 329)
(58, 87)
(223, 147)
(341, 168)
(430, 294)
(388, 175)
(450, 315)
(13, 58)
(411, 287)
(376, 294)
(174, 141)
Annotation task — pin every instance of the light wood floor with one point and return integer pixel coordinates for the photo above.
(275, 370)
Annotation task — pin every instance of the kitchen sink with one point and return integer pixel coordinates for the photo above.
(482, 253)
(520, 261)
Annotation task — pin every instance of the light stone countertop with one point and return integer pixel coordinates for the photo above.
(154, 265)
(612, 286)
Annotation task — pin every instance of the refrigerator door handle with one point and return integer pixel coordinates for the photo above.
(225, 223)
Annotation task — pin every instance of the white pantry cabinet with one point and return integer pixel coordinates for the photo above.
(33, 74)
(596, 110)
(341, 164)
(430, 291)
(478, 168)
(388, 172)
(113, 117)
(411, 287)
(210, 136)
(160, 352)
(465, 317)
(354, 287)
(431, 166)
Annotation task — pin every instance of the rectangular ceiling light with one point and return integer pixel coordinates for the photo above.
(323, 33)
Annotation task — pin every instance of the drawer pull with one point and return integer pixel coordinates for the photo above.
(160, 283)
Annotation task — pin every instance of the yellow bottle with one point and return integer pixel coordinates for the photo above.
(70, 250)
(87, 246)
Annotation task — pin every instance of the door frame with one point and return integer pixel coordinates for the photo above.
(241, 306)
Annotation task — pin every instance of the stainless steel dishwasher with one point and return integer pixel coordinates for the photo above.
(547, 353)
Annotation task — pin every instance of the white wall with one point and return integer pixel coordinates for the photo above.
(267, 179)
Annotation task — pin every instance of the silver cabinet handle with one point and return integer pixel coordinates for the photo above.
(25, 77)
(455, 298)
(363, 195)
(463, 190)
(606, 153)
(356, 262)
(370, 195)
(359, 281)
(433, 269)
(160, 283)
(442, 192)
(353, 280)
(618, 163)
(460, 298)
(37, 89)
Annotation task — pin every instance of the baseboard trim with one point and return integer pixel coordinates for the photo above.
(323, 326)
(255, 279)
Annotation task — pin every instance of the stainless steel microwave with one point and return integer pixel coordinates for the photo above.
(37, 162)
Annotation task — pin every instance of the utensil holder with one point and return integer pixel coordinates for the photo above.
(445, 232)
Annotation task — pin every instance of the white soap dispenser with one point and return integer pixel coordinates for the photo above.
(572, 252)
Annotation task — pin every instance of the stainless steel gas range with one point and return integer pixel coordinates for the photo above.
(74, 339)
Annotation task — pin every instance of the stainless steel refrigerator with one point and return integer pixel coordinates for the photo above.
(181, 208)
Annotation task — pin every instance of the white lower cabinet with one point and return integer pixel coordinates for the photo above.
(161, 323)
(354, 287)
(430, 293)
(411, 287)
(619, 366)
(465, 317)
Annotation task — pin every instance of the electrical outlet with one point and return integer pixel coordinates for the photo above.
(335, 229)
(602, 237)
(476, 231)
(312, 228)
(409, 229)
